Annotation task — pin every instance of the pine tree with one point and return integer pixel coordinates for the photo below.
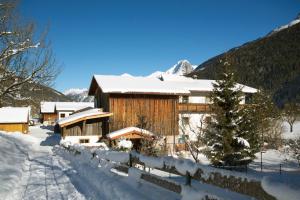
(227, 142)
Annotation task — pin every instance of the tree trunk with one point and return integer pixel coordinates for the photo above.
(291, 128)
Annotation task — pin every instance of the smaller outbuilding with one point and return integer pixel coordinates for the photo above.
(53, 111)
(85, 127)
(134, 134)
(14, 119)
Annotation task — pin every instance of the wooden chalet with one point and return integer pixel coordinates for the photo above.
(53, 111)
(85, 127)
(14, 119)
(138, 101)
(47, 112)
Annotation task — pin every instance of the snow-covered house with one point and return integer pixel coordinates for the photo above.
(140, 102)
(14, 119)
(47, 112)
(194, 108)
(85, 127)
(52, 111)
(171, 106)
(64, 109)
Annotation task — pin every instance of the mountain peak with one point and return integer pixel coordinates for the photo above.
(182, 67)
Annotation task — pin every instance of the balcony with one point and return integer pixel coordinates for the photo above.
(193, 107)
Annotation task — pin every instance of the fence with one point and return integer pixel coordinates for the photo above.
(234, 181)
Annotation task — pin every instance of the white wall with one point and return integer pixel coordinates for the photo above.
(197, 99)
(75, 139)
(66, 114)
(203, 99)
(194, 123)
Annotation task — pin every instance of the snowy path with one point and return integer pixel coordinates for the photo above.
(39, 177)
(33, 171)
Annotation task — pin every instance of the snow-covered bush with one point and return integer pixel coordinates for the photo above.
(295, 147)
(124, 145)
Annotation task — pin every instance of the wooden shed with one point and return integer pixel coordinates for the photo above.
(48, 115)
(84, 127)
(134, 134)
(14, 119)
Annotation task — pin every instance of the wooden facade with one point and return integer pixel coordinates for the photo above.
(85, 128)
(14, 127)
(49, 117)
(160, 112)
(193, 107)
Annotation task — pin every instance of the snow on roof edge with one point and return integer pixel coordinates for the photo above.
(79, 115)
(126, 130)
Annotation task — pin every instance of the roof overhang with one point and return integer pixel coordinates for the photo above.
(95, 116)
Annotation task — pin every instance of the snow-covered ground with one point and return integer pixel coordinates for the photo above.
(30, 169)
(291, 135)
(33, 168)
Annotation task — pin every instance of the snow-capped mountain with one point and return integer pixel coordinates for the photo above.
(79, 95)
(182, 67)
(292, 23)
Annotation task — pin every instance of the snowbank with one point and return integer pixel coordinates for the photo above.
(13, 158)
(282, 186)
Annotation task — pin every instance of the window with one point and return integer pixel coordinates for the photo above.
(248, 98)
(185, 121)
(185, 99)
(207, 99)
(62, 115)
(182, 139)
(84, 141)
(207, 119)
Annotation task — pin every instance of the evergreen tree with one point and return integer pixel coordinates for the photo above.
(227, 142)
(264, 117)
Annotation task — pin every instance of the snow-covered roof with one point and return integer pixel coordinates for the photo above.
(73, 106)
(142, 85)
(14, 114)
(124, 131)
(171, 84)
(88, 114)
(47, 107)
(198, 84)
(50, 107)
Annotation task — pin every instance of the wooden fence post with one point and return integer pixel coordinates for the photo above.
(130, 160)
(280, 168)
(188, 179)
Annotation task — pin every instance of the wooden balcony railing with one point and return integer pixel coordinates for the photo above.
(193, 107)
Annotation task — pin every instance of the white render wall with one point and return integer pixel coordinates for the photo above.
(203, 99)
(66, 114)
(75, 139)
(194, 123)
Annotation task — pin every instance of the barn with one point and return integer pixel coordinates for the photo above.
(14, 119)
(84, 127)
(142, 102)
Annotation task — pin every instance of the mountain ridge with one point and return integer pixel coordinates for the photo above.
(271, 62)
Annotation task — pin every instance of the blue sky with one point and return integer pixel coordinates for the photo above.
(140, 37)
